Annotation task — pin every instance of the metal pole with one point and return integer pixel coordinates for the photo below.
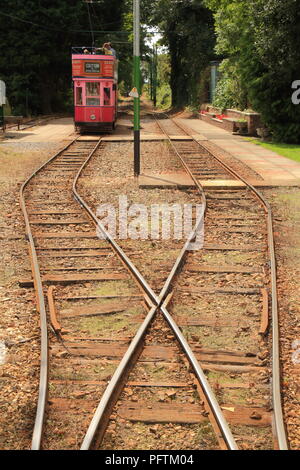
(155, 75)
(137, 84)
(151, 78)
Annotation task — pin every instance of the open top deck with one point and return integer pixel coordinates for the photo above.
(92, 62)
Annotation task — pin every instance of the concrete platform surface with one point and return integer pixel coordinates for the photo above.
(115, 137)
(274, 169)
(152, 180)
(165, 180)
(55, 130)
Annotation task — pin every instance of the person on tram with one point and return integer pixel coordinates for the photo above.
(112, 50)
(108, 49)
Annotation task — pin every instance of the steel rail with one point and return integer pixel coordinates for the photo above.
(41, 307)
(200, 374)
(276, 368)
(108, 397)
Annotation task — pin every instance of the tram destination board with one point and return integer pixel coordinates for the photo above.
(96, 68)
(92, 67)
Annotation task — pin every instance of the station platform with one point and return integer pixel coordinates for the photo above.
(55, 130)
(274, 169)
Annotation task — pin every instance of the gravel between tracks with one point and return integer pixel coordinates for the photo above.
(110, 175)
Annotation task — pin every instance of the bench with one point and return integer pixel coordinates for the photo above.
(227, 124)
(13, 120)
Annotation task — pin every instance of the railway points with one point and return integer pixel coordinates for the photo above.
(68, 253)
(149, 231)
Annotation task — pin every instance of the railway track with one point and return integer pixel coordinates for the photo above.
(235, 350)
(122, 359)
(76, 365)
(75, 276)
(237, 264)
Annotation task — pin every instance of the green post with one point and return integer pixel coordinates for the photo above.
(155, 75)
(151, 79)
(137, 85)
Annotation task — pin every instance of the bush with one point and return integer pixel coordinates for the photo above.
(261, 40)
(164, 96)
(229, 91)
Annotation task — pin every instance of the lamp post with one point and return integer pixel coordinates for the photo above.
(137, 85)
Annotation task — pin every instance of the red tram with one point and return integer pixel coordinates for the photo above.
(95, 78)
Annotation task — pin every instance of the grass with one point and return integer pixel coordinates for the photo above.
(233, 258)
(230, 338)
(107, 325)
(286, 150)
(115, 288)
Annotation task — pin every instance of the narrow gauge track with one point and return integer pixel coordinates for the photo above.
(135, 357)
(76, 365)
(237, 266)
(73, 268)
(103, 418)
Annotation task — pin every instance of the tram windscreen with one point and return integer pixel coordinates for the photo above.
(92, 93)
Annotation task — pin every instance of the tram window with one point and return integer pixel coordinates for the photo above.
(92, 89)
(106, 96)
(92, 92)
(79, 96)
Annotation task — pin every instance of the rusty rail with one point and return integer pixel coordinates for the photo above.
(41, 307)
(99, 421)
(276, 387)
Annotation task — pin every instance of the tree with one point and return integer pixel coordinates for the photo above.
(187, 28)
(274, 65)
(261, 43)
(37, 36)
